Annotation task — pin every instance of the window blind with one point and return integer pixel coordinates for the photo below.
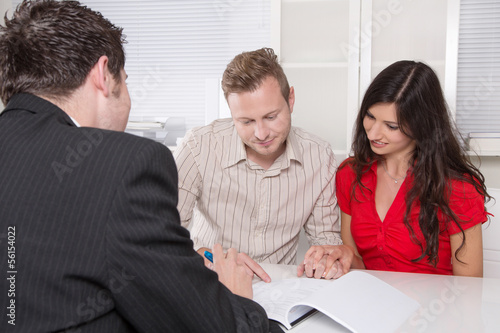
(478, 72)
(177, 49)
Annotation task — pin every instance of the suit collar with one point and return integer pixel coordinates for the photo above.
(36, 105)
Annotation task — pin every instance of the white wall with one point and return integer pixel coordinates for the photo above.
(310, 48)
(312, 35)
(490, 168)
(4, 6)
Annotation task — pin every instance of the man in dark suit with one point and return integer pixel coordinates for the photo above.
(90, 236)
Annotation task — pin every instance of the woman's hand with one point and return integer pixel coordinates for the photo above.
(326, 261)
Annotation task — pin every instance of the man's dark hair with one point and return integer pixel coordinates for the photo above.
(49, 47)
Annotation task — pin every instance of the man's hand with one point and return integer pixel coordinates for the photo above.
(254, 266)
(242, 257)
(326, 261)
(201, 252)
(233, 272)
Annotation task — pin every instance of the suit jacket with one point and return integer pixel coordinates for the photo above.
(90, 236)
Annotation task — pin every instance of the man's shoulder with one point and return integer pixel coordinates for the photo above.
(217, 131)
(218, 127)
(129, 142)
(118, 154)
(302, 136)
(115, 146)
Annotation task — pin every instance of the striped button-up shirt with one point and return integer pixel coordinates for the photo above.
(226, 198)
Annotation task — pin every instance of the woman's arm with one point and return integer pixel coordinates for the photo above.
(345, 232)
(471, 254)
(332, 261)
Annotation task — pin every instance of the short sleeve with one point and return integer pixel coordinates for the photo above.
(468, 206)
(344, 180)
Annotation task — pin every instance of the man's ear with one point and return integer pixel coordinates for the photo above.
(100, 76)
(291, 99)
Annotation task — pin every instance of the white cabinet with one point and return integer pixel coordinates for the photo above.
(332, 49)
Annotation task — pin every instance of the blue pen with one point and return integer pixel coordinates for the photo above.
(209, 256)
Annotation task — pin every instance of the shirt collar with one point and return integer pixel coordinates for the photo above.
(237, 151)
(293, 149)
(74, 120)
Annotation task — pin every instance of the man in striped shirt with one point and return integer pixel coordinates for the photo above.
(253, 181)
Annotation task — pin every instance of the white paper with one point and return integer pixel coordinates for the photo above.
(358, 301)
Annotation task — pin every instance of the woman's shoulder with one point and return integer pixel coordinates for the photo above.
(346, 168)
(348, 164)
(465, 196)
(467, 203)
(464, 189)
(345, 172)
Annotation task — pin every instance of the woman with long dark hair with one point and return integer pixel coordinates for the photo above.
(411, 200)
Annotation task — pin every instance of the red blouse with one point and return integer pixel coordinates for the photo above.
(386, 245)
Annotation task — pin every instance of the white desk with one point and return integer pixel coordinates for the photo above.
(448, 303)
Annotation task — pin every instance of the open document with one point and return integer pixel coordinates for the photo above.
(359, 301)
